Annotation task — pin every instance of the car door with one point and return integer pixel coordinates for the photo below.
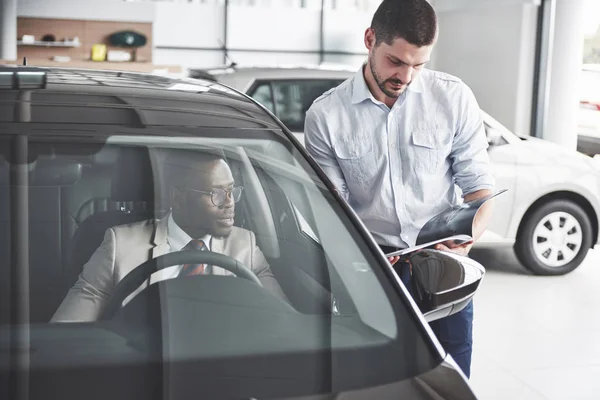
(504, 167)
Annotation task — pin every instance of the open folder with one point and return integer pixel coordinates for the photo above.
(454, 224)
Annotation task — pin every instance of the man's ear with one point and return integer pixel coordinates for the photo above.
(370, 39)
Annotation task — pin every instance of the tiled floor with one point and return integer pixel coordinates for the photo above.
(536, 337)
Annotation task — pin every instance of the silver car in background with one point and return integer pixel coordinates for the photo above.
(552, 211)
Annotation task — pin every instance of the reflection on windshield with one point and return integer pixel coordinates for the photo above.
(201, 249)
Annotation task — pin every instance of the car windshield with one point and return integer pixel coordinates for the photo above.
(82, 207)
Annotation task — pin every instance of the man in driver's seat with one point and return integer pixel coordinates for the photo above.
(202, 200)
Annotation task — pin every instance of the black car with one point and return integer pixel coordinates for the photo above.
(84, 151)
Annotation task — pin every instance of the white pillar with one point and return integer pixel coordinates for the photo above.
(8, 30)
(565, 66)
(490, 44)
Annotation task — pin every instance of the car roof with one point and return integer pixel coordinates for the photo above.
(241, 77)
(281, 69)
(124, 98)
(250, 72)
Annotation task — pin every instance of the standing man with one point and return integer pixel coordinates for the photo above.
(399, 141)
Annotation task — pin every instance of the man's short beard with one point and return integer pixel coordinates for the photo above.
(380, 81)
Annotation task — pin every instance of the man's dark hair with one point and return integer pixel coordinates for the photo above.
(181, 165)
(412, 20)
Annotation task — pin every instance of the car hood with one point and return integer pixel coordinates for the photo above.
(534, 151)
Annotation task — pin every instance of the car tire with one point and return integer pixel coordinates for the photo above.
(562, 227)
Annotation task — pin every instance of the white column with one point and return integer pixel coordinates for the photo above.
(8, 30)
(490, 44)
(565, 66)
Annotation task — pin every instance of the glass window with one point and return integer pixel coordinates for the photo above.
(102, 204)
(264, 96)
(294, 98)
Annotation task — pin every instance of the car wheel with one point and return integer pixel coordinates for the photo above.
(555, 238)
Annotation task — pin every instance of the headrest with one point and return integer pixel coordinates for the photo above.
(55, 172)
(106, 156)
(132, 178)
(47, 172)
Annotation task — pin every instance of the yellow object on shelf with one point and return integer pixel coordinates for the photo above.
(99, 52)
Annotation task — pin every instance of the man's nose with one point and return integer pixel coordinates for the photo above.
(404, 74)
(229, 200)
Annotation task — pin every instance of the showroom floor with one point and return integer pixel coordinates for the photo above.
(536, 337)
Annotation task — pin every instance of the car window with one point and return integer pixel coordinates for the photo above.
(292, 98)
(264, 96)
(104, 201)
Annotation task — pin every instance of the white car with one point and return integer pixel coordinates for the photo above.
(551, 212)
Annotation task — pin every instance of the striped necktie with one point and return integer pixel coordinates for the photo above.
(194, 269)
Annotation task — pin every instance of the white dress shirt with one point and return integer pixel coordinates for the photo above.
(399, 167)
(177, 239)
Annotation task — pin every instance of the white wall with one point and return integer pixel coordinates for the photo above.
(198, 27)
(290, 35)
(97, 10)
(188, 25)
(350, 61)
(490, 45)
(190, 34)
(273, 28)
(345, 30)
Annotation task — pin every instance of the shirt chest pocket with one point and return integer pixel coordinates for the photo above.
(357, 161)
(427, 150)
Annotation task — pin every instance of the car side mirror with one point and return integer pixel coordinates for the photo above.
(443, 283)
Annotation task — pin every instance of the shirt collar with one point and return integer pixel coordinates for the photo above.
(178, 238)
(361, 92)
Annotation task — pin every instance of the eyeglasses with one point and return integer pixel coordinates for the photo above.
(219, 196)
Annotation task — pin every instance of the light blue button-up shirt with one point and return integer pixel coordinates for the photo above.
(399, 167)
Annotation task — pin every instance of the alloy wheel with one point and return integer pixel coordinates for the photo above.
(557, 239)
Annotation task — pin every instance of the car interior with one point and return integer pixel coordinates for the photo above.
(72, 208)
(76, 193)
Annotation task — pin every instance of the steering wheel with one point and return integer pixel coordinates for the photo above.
(134, 279)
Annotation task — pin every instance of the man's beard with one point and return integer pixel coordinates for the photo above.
(381, 82)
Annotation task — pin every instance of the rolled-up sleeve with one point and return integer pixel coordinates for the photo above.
(318, 145)
(469, 156)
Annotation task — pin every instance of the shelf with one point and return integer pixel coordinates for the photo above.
(39, 43)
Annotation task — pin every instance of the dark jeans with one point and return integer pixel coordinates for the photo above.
(454, 332)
